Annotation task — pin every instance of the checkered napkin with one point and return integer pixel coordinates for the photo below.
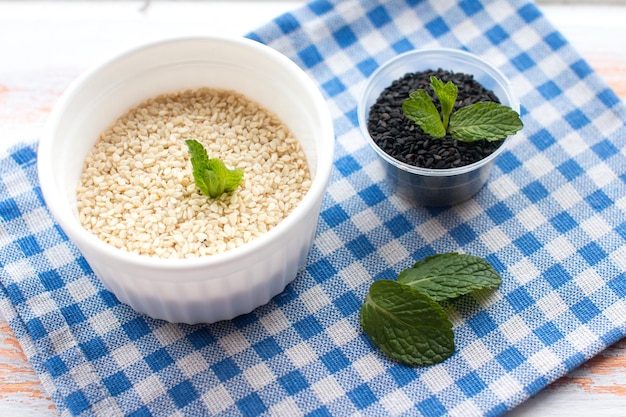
(551, 220)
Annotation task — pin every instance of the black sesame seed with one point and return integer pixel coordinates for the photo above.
(405, 141)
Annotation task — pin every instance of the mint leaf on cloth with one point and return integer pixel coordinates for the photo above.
(403, 317)
(406, 324)
(450, 275)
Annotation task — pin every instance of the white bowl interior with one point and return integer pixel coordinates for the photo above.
(170, 67)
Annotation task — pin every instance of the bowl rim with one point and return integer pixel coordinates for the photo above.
(82, 237)
(492, 71)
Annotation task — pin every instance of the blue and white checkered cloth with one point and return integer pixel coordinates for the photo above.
(551, 220)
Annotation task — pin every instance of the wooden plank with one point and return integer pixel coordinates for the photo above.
(20, 388)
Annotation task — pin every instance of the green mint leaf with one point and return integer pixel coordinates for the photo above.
(211, 176)
(447, 97)
(199, 162)
(407, 325)
(450, 275)
(484, 120)
(419, 108)
(226, 180)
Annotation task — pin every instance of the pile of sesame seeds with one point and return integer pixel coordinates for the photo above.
(405, 141)
(137, 192)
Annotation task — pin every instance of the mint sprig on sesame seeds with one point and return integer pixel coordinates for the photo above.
(479, 121)
(211, 176)
(404, 319)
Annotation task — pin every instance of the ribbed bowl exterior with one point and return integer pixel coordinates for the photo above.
(238, 288)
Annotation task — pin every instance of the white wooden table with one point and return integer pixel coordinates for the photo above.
(45, 45)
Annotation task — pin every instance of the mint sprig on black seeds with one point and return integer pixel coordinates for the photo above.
(484, 120)
(403, 317)
(404, 140)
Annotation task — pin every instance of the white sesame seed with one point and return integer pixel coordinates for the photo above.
(137, 191)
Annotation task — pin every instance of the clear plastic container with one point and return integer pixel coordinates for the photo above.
(435, 187)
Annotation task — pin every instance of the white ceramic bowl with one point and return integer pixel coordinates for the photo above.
(206, 289)
(435, 187)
